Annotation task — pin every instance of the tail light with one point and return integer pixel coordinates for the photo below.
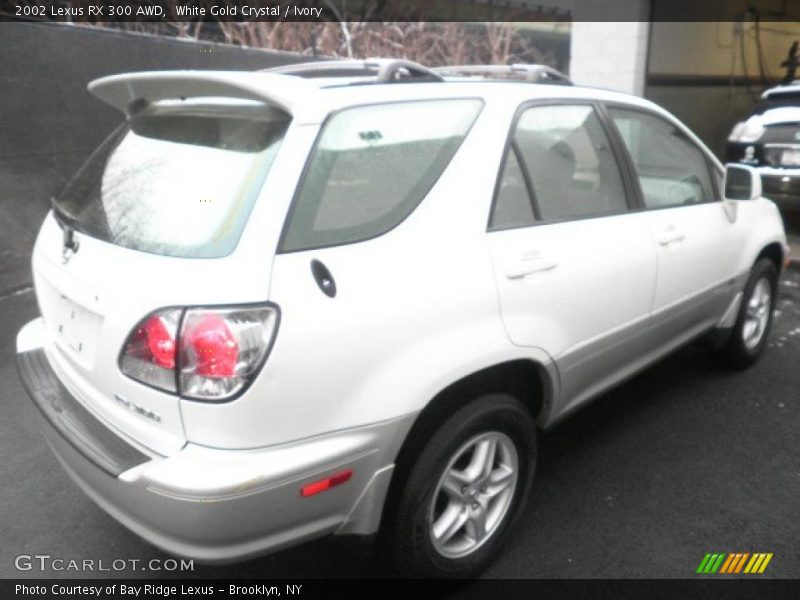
(202, 353)
(149, 354)
(222, 349)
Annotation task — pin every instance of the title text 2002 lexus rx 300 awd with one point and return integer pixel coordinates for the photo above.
(279, 305)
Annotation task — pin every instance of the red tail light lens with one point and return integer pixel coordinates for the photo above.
(222, 349)
(214, 356)
(150, 351)
(160, 341)
(215, 349)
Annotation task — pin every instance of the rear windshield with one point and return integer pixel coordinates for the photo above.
(372, 166)
(175, 184)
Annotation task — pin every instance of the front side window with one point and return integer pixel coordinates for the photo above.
(570, 165)
(371, 167)
(175, 184)
(672, 170)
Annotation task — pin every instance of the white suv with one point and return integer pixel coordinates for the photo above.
(342, 299)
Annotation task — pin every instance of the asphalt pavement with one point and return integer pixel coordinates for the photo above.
(684, 459)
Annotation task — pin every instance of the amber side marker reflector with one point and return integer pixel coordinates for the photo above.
(325, 484)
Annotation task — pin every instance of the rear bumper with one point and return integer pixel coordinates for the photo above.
(217, 505)
(76, 425)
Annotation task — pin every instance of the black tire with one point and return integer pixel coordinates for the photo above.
(737, 353)
(406, 539)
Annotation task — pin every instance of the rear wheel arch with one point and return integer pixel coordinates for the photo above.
(524, 379)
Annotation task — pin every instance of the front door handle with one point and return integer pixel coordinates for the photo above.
(529, 265)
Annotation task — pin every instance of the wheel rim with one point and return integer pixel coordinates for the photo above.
(756, 315)
(473, 494)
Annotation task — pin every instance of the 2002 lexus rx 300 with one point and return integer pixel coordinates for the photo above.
(280, 305)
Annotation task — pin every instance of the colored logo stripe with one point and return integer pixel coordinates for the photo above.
(710, 563)
(758, 563)
(734, 562)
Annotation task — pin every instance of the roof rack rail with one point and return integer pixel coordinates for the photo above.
(385, 70)
(529, 73)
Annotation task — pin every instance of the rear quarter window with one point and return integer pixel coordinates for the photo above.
(371, 167)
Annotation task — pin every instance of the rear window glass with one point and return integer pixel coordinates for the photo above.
(371, 167)
(572, 169)
(175, 185)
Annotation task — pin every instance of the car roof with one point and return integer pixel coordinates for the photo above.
(311, 100)
(507, 91)
(792, 87)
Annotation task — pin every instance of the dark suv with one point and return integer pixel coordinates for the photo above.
(769, 139)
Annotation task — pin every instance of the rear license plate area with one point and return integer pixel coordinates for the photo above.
(790, 157)
(76, 329)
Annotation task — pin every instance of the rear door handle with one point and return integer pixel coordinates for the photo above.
(671, 236)
(530, 264)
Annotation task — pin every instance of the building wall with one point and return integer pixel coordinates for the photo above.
(607, 53)
(714, 48)
(708, 73)
(610, 55)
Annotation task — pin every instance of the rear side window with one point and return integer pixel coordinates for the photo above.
(672, 170)
(371, 167)
(175, 184)
(570, 165)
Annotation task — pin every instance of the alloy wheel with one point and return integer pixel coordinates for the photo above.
(474, 494)
(756, 316)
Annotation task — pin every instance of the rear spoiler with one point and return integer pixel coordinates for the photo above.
(298, 97)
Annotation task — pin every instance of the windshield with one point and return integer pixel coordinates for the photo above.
(175, 184)
(777, 100)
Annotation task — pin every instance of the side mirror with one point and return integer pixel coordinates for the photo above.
(742, 182)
